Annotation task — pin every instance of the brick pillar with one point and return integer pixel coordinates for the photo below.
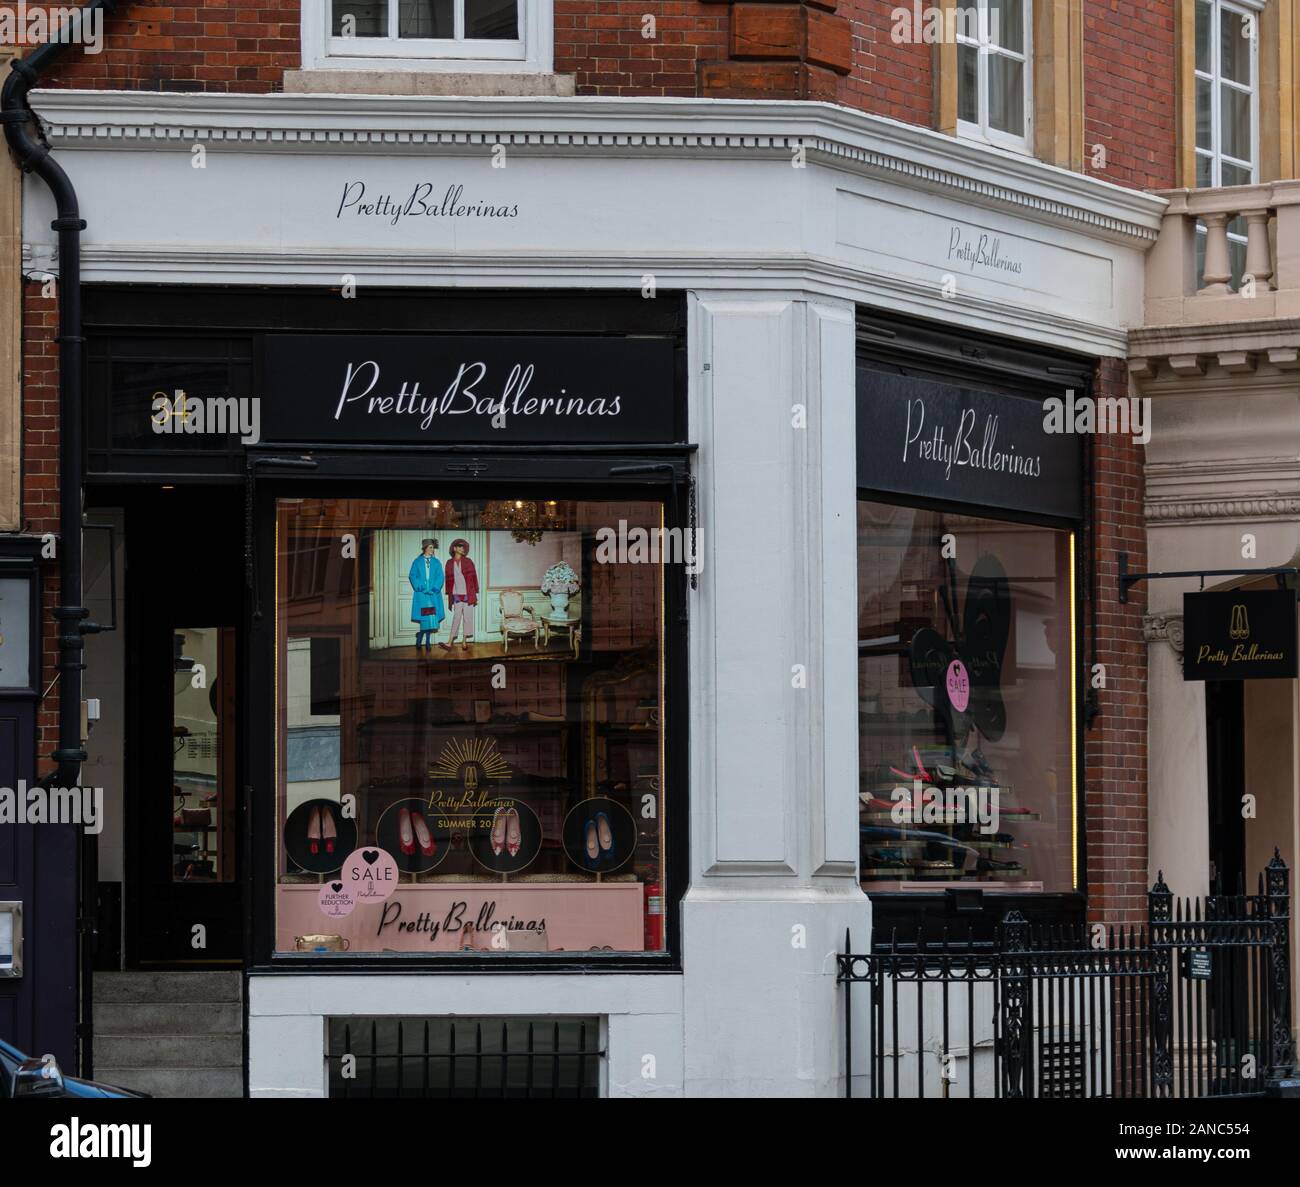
(1116, 745)
(781, 51)
(40, 483)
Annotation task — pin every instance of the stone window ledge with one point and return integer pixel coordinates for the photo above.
(417, 82)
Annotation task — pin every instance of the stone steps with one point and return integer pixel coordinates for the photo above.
(172, 1034)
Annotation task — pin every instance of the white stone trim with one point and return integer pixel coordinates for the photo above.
(858, 142)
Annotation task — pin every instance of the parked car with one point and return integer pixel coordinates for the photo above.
(22, 1076)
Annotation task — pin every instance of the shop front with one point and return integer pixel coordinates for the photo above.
(532, 606)
(419, 699)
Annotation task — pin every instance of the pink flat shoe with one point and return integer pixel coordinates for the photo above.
(498, 831)
(513, 835)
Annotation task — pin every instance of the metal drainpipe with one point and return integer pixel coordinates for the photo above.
(34, 157)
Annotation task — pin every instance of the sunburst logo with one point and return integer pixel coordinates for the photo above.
(470, 760)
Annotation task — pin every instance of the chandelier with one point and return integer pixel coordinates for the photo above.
(527, 521)
(443, 514)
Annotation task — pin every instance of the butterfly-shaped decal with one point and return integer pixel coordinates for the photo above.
(962, 676)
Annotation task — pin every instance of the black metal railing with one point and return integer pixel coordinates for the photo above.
(464, 1058)
(1195, 1003)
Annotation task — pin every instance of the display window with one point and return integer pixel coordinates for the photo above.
(470, 725)
(966, 679)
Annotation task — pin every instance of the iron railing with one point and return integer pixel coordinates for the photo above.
(1196, 1003)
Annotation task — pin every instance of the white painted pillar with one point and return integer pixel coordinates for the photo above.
(1178, 804)
(773, 649)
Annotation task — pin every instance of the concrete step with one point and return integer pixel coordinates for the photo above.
(174, 1082)
(164, 988)
(195, 1052)
(173, 1018)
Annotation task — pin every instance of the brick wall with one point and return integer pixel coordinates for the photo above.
(604, 46)
(1116, 745)
(219, 45)
(1129, 90)
(40, 482)
(887, 78)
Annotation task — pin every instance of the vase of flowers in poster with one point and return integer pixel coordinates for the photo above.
(560, 583)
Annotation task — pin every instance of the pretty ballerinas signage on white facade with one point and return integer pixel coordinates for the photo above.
(424, 199)
(980, 249)
(427, 389)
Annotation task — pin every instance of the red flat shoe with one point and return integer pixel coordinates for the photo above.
(428, 846)
(313, 830)
(405, 835)
(327, 828)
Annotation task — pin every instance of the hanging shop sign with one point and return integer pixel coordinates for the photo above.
(440, 390)
(941, 441)
(1239, 635)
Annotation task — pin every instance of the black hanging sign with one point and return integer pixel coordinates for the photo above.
(1239, 635)
(937, 440)
(439, 390)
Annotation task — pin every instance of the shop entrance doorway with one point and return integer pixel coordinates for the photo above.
(183, 601)
(1225, 731)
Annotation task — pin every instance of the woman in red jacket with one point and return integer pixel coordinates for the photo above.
(461, 590)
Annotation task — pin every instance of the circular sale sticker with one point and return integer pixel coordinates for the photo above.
(336, 899)
(371, 874)
(958, 685)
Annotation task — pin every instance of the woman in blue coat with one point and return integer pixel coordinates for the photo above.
(426, 578)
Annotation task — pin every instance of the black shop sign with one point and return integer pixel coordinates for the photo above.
(487, 389)
(937, 440)
(1239, 635)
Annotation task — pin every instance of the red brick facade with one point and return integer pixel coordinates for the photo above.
(1115, 747)
(839, 52)
(221, 45)
(40, 480)
(1129, 91)
(606, 48)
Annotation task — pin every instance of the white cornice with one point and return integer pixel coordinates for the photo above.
(841, 137)
(231, 264)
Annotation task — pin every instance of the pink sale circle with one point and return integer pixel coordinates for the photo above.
(958, 681)
(337, 899)
(370, 873)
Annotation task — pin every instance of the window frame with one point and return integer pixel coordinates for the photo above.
(533, 52)
(981, 130)
(350, 473)
(1217, 158)
(917, 900)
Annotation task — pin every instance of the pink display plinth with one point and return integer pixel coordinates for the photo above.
(485, 916)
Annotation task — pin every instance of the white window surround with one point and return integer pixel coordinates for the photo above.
(533, 53)
(981, 130)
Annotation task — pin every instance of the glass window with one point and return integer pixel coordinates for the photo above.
(471, 724)
(427, 28)
(1227, 110)
(203, 760)
(993, 71)
(966, 702)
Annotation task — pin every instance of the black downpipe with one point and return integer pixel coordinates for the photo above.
(22, 134)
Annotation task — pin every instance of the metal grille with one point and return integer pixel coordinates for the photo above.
(464, 1058)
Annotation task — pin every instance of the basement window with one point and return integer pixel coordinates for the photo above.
(490, 1058)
